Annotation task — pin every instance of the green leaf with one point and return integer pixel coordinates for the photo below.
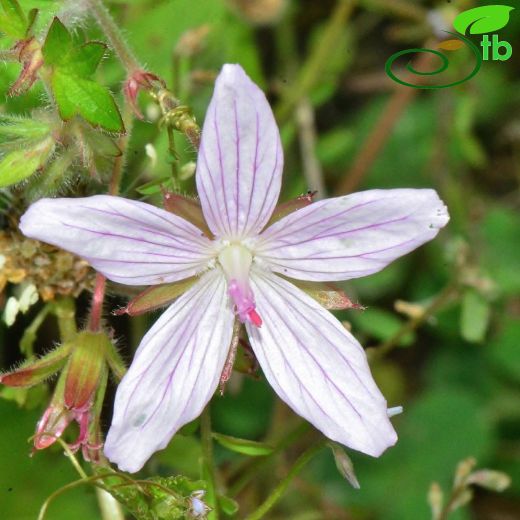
(474, 318)
(58, 44)
(17, 165)
(504, 351)
(243, 446)
(93, 102)
(481, 20)
(85, 59)
(156, 186)
(381, 325)
(13, 22)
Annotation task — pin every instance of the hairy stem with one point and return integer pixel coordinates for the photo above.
(114, 36)
(209, 470)
(65, 312)
(280, 489)
(97, 303)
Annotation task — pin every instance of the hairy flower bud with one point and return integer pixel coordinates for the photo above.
(85, 368)
(35, 371)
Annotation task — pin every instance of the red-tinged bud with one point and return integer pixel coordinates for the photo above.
(188, 209)
(285, 208)
(31, 58)
(328, 295)
(85, 369)
(156, 297)
(33, 372)
(52, 424)
(140, 80)
(78, 396)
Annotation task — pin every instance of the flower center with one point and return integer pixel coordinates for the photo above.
(236, 260)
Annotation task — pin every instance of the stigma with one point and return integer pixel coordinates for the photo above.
(236, 261)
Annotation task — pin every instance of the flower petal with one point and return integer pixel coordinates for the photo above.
(173, 375)
(240, 160)
(317, 367)
(129, 242)
(352, 236)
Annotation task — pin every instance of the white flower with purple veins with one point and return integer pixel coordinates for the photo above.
(242, 269)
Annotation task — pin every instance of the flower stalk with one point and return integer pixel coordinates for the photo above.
(208, 463)
(114, 36)
(281, 488)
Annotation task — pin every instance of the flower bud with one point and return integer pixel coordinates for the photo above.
(85, 368)
(33, 372)
(139, 80)
(490, 479)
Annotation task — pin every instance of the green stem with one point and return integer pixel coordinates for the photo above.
(114, 36)
(443, 298)
(65, 312)
(251, 471)
(209, 471)
(280, 489)
(312, 70)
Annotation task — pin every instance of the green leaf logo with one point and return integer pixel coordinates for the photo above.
(481, 20)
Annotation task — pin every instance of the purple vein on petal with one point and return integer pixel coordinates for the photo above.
(255, 168)
(194, 296)
(237, 167)
(222, 176)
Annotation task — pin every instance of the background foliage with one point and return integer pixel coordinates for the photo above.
(444, 319)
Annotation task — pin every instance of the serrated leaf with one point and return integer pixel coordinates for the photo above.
(93, 102)
(58, 44)
(85, 59)
(13, 22)
(17, 165)
(475, 316)
(481, 20)
(243, 446)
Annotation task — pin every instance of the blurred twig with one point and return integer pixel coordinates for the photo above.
(445, 297)
(399, 8)
(307, 134)
(382, 130)
(310, 73)
(280, 489)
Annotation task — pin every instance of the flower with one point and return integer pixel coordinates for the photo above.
(243, 269)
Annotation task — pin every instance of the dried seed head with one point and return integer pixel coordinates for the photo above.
(51, 270)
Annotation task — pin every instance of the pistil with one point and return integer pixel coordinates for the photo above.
(236, 260)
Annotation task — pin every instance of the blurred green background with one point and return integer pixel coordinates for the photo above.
(345, 126)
